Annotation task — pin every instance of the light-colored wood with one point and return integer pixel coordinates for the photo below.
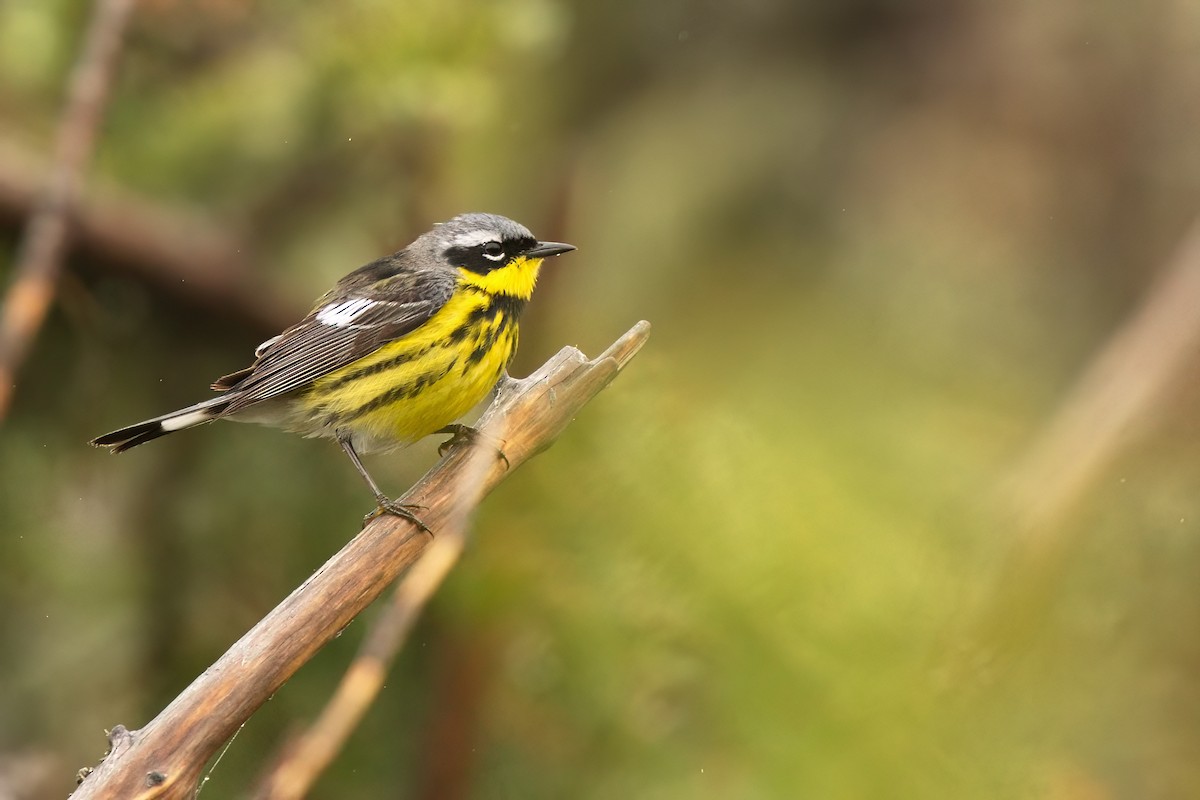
(304, 758)
(165, 758)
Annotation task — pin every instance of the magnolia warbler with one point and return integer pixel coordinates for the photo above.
(397, 350)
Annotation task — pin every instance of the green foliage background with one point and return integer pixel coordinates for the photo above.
(877, 240)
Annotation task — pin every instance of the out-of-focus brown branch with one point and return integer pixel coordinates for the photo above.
(181, 254)
(165, 758)
(1117, 395)
(1113, 401)
(305, 758)
(40, 256)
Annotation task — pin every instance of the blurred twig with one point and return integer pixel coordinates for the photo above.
(178, 253)
(1115, 398)
(306, 757)
(45, 237)
(165, 758)
(1119, 392)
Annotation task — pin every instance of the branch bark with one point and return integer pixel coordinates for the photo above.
(165, 758)
(40, 257)
(304, 759)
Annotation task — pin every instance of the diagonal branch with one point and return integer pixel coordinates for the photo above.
(40, 258)
(307, 756)
(165, 758)
(1117, 398)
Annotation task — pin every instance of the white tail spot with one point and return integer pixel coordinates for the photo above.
(184, 420)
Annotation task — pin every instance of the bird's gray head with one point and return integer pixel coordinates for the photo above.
(484, 242)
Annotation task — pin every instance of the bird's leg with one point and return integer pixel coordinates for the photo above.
(465, 435)
(385, 505)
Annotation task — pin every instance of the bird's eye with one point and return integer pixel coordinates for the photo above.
(493, 250)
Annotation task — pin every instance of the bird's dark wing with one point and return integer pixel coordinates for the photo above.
(347, 324)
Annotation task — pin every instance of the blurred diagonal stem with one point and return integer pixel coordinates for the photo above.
(41, 253)
(166, 757)
(1113, 402)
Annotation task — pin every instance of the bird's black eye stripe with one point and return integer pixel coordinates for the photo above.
(487, 256)
(471, 258)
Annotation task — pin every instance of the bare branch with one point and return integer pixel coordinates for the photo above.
(304, 759)
(164, 759)
(40, 257)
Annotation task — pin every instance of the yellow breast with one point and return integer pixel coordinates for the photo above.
(421, 382)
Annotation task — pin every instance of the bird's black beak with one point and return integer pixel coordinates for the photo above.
(546, 249)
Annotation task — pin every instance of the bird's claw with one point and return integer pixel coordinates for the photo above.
(465, 435)
(402, 510)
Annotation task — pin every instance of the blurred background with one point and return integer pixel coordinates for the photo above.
(828, 536)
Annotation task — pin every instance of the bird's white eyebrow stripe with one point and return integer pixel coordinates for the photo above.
(473, 238)
(343, 313)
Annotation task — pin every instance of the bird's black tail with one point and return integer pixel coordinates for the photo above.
(121, 440)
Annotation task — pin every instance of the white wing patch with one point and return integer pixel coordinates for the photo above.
(344, 313)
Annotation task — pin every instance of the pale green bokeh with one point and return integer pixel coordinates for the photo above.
(876, 248)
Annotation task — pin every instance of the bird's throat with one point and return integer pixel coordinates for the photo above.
(515, 279)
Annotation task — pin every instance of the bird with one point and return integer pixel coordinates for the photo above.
(397, 350)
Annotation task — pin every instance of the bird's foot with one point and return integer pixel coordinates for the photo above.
(401, 510)
(465, 435)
